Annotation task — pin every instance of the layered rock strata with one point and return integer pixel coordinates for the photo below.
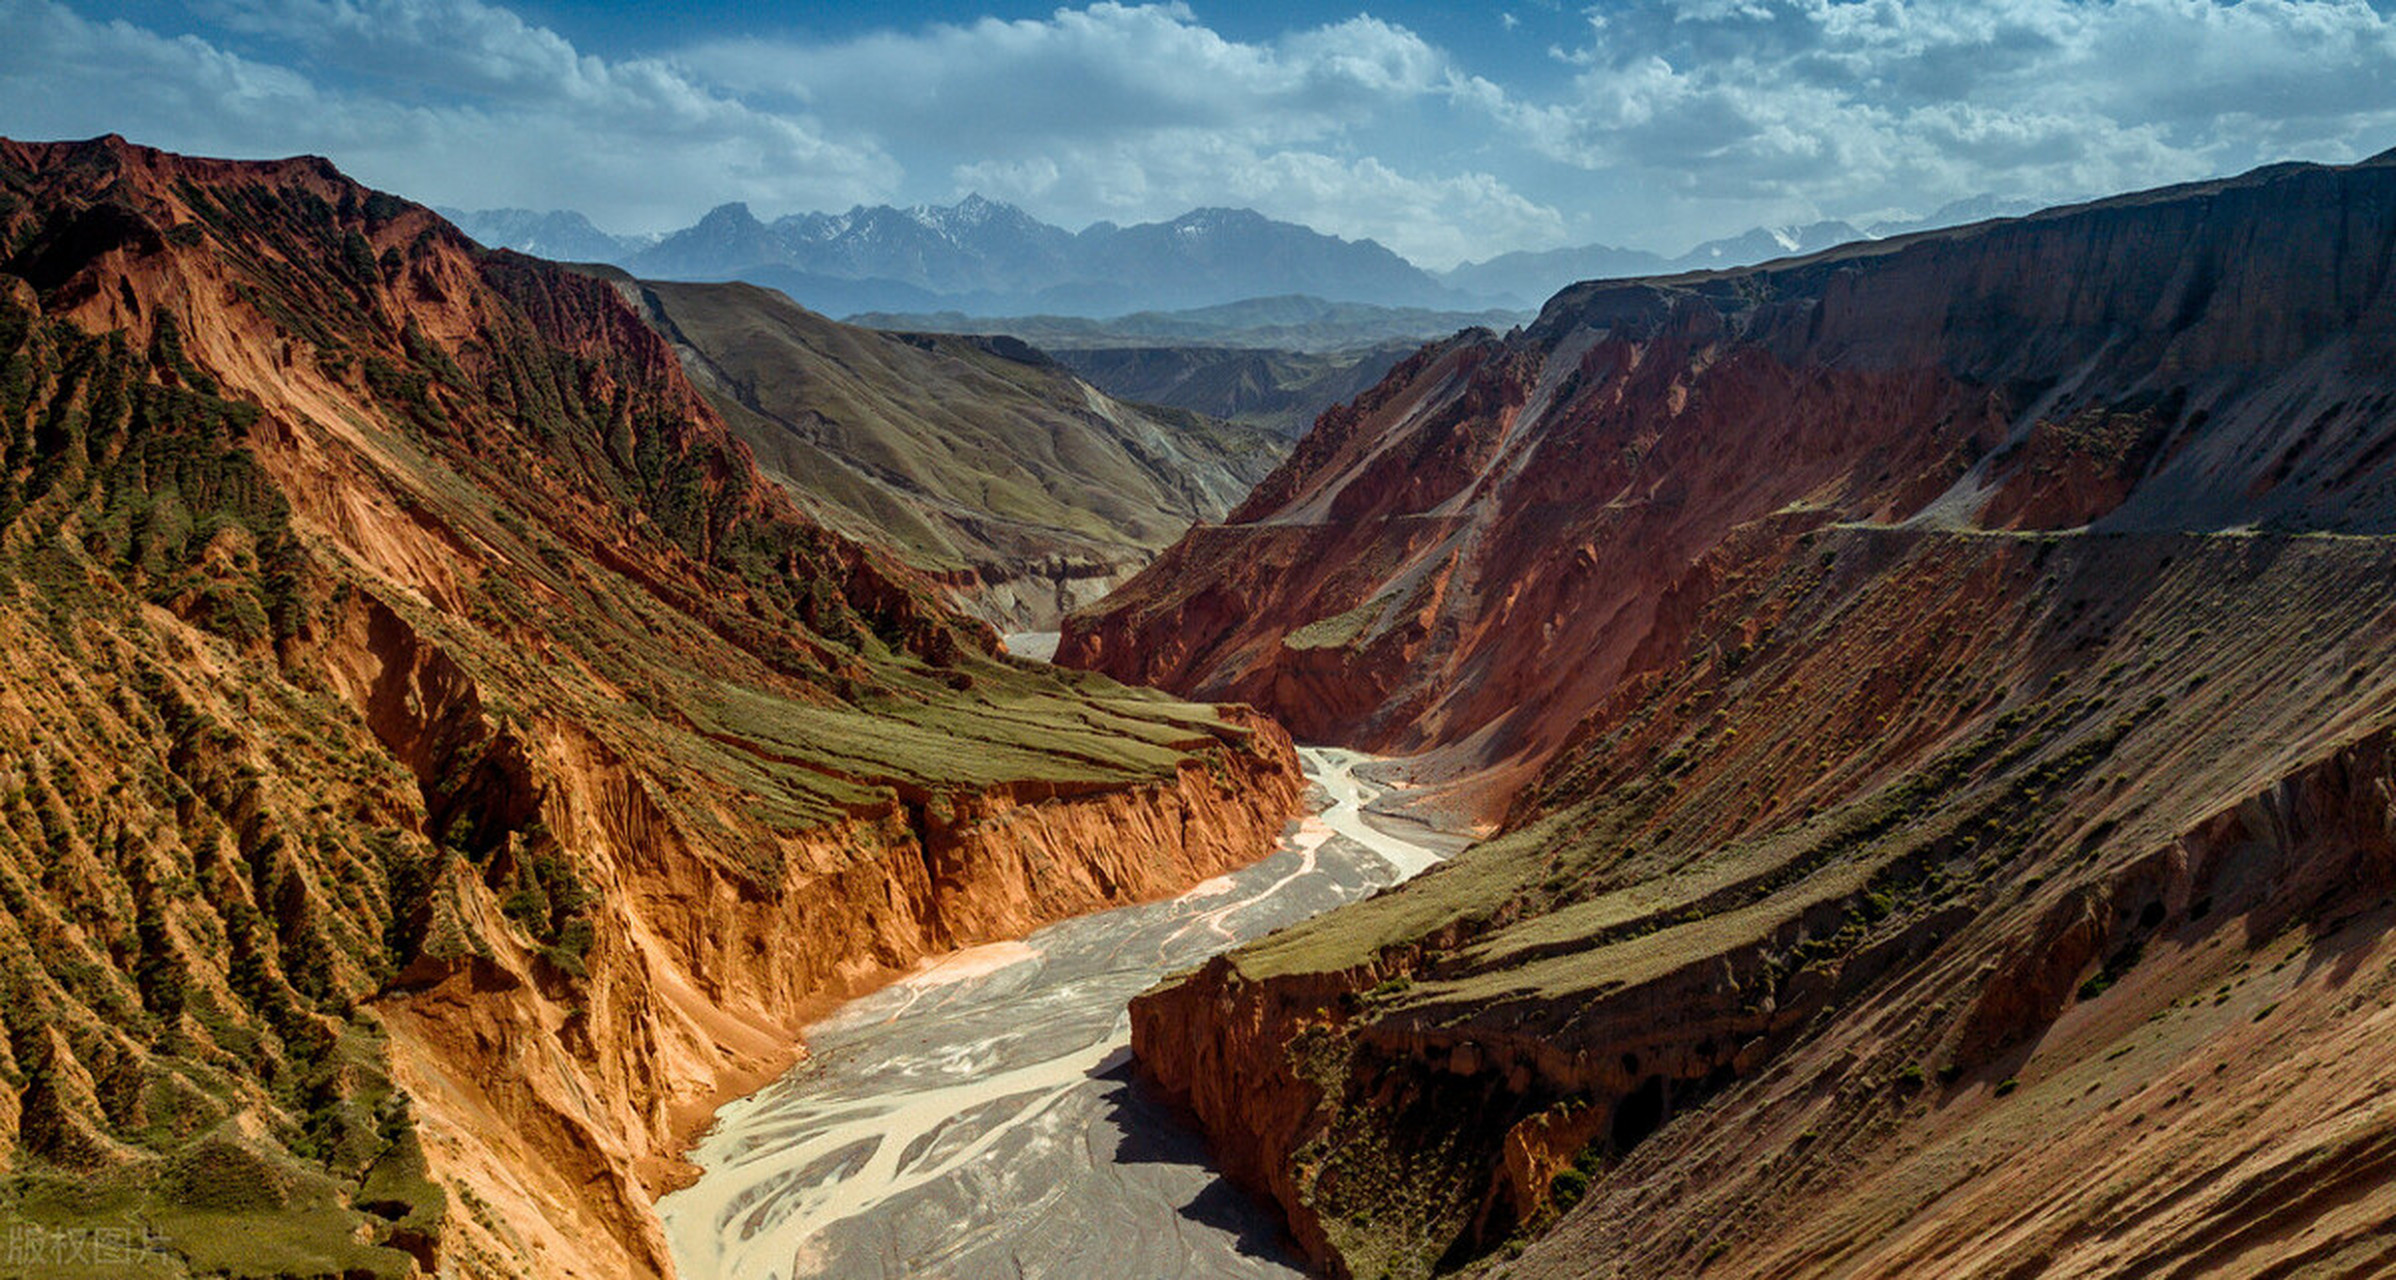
(2195, 358)
(1943, 689)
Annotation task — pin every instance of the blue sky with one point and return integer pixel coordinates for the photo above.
(1446, 132)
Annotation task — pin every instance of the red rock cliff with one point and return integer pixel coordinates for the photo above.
(1948, 683)
(466, 769)
(1467, 559)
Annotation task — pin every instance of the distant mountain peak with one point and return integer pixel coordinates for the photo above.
(973, 213)
(989, 256)
(1524, 278)
(731, 212)
(1217, 217)
(1957, 213)
(559, 234)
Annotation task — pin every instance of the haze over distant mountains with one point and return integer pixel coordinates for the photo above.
(984, 256)
(560, 235)
(991, 258)
(1530, 278)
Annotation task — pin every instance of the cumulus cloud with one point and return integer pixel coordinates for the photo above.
(1805, 107)
(1654, 122)
(1435, 221)
(1084, 75)
(449, 101)
(1142, 111)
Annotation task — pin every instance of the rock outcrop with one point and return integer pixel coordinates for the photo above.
(1939, 693)
(439, 765)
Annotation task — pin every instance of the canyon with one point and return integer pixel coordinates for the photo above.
(471, 728)
(1931, 703)
(1582, 486)
(441, 766)
(978, 1116)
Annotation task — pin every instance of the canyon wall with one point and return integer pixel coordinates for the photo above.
(445, 767)
(2188, 359)
(1937, 695)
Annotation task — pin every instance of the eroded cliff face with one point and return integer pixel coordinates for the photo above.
(2158, 362)
(445, 768)
(696, 987)
(1966, 842)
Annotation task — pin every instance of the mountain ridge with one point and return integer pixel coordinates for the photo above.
(978, 252)
(979, 460)
(1528, 277)
(560, 235)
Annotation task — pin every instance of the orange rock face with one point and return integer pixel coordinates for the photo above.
(477, 771)
(1940, 698)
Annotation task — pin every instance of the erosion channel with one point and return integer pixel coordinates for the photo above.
(979, 1117)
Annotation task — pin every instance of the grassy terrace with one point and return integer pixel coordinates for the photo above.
(1007, 728)
(1731, 805)
(677, 695)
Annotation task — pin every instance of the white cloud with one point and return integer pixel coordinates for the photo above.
(466, 105)
(1763, 109)
(1132, 112)
(1119, 111)
(1002, 89)
(1434, 221)
(1437, 222)
(1664, 122)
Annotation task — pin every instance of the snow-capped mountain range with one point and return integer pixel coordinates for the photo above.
(990, 257)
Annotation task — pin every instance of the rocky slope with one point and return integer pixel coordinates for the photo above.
(439, 765)
(981, 461)
(1943, 692)
(1399, 582)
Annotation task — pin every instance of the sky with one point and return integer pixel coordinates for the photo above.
(1447, 132)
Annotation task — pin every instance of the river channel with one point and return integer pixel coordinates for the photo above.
(979, 1119)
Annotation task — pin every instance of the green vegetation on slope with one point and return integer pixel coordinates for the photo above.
(964, 454)
(1935, 740)
(312, 599)
(199, 874)
(1280, 391)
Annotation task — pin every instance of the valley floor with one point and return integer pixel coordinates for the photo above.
(979, 1118)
